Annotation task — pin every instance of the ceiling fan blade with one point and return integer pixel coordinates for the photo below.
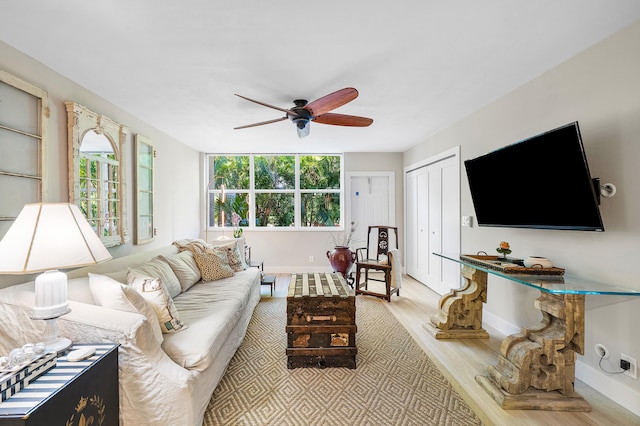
(331, 101)
(343, 120)
(261, 123)
(288, 111)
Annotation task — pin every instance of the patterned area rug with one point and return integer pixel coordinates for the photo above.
(394, 383)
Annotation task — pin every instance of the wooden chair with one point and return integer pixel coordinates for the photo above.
(376, 257)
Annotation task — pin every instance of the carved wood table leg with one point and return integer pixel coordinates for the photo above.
(536, 367)
(460, 311)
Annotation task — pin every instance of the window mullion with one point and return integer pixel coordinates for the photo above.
(297, 197)
(252, 193)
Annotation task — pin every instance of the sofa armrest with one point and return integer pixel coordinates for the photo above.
(150, 381)
(88, 323)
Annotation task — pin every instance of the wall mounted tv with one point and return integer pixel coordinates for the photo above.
(542, 182)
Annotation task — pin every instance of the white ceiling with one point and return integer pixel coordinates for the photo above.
(419, 65)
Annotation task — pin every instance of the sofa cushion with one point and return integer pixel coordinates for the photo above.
(233, 254)
(213, 266)
(109, 293)
(155, 293)
(158, 268)
(185, 267)
(212, 310)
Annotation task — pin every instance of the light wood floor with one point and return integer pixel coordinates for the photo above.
(461, 360)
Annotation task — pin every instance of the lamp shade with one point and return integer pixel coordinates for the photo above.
(49, 236)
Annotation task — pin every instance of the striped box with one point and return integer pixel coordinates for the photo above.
(14, 382)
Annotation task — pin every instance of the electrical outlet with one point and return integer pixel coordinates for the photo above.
(631, 372)
(602, 351)
(310, 259)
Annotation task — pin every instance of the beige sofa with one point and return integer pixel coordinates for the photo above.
(166, 379)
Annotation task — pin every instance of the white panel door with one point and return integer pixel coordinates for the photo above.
(451, 278)
(433, 222)
(417, 239)
(370, 205)
(434, 225)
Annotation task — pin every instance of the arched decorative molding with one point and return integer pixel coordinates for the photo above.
(80, 121)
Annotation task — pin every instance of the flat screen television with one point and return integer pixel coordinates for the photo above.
(542, 182)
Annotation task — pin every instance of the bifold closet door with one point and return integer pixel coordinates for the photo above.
(433, 223)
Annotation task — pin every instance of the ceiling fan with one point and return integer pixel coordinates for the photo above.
(318, 111)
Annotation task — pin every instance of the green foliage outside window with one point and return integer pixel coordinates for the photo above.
(320, 172)
(275, 172)
(228, 173)
(232, 171)
(274, 190)
(320, 209)
(274, 209)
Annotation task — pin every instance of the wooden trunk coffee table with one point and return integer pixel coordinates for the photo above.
(321, 321)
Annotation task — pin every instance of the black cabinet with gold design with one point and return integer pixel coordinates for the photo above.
(72, 393)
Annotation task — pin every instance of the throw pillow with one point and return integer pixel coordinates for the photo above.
(233, 255)
(240, 243)
(185, 268)
(213, 266)
(109, 293)
(158, 268)
(155, 293)
(195, 246)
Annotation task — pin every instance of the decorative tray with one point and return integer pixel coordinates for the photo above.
(499, 264)
(15, 379)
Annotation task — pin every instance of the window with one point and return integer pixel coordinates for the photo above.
(275, 191)
(228, 189)
(320, 190)
(24, 113)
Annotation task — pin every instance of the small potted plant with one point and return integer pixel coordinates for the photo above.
(504, 249)
(235, 221)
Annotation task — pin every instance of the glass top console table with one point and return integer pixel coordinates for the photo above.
(536, 367)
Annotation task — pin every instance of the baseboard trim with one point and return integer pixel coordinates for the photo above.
(607, 385)
(297, 269)
(499, 324)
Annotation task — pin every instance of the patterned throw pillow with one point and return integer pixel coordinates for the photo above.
(233, 255)
(156, 295)
(158, 268)
(213, 266)
(112, 294)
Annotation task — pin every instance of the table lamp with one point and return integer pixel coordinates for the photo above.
(45, 237)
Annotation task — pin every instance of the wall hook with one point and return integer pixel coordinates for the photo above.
(608, 190)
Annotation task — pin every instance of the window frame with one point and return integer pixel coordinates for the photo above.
(145, 154)
(209, 190)
(42, 98)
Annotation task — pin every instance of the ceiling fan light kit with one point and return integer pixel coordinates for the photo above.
(304, 112)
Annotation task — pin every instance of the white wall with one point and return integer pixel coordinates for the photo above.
(177, 195)
(600, 88)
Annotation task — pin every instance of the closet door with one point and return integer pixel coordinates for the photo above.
(433, 222)
(417, 226)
